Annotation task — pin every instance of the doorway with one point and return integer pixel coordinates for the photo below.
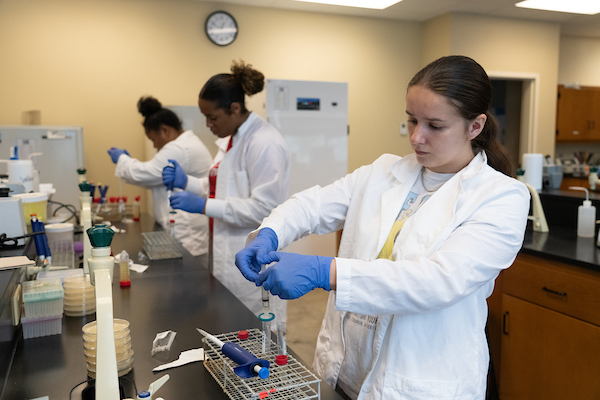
(506, 106)
(515, 103)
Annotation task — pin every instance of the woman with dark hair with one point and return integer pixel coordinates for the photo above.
(164, 129)
(249, 177)
(424, 238)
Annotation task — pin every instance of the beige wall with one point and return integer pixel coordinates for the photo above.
(509, 46)
(579, 61)
(87, 63)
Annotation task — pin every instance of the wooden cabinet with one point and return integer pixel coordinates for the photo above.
(547, 354)
(546, 336)
(578, 114)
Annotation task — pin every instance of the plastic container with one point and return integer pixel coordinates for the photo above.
(34, 203)
(60, 241)
(80, 296)
(61, 274)
(586, 215)
(41, 326)
(43, 298)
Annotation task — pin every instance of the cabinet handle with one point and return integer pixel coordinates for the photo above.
(504, 323)
(545, 289)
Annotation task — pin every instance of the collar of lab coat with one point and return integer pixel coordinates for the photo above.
(406, 171)
(407, 168)
(222, 143)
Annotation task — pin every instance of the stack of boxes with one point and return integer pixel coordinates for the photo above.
(43, 303)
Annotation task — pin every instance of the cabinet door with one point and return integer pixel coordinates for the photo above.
(574, 120)
(547, 355)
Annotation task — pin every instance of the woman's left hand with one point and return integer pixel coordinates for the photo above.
(294, 275)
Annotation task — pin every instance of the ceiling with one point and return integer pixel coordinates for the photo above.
(422, 10)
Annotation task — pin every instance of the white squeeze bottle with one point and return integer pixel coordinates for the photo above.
(586, 215)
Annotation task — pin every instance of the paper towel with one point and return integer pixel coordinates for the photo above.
(533, 164)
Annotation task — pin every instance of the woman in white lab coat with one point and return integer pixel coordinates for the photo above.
(164, 129)
(424, 238)
(248, 179)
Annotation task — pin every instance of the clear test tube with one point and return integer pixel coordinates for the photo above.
(266, 319)
(281, 339)
(172, 223)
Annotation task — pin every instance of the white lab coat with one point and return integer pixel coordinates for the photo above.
(195, 159)
(253, 178)
(431, 301)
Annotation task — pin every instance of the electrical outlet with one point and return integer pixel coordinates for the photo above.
(403, 129)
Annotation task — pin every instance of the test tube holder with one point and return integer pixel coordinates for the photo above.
(292, 381)
(161, 246)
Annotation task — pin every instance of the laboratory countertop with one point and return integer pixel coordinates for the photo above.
(563, 244)
(178, 295)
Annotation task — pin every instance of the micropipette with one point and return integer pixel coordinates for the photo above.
(248, 364)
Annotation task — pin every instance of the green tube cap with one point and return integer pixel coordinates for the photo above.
(85, 186)
(81, 171)
(100, 235)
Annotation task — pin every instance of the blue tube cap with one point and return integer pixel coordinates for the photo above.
(263, 373)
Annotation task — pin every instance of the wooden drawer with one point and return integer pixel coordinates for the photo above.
(561, 287)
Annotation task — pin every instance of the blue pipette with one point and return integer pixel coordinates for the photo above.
(248, 364)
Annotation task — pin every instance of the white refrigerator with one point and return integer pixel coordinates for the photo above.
(313, 119)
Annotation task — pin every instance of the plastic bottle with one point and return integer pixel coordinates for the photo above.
(124, 279)
(586, 215)
(100, 238)
(593, 177)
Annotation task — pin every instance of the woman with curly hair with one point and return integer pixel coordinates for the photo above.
(248, 179)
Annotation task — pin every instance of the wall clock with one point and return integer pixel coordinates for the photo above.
(221, 28)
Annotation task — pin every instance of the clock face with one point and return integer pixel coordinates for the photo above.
(221, 28)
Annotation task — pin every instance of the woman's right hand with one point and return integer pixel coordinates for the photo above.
(174, 174)
(250, 258)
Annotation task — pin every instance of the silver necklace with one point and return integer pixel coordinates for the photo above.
(423, 181)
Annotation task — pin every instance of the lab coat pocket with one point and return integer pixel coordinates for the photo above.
(241, 184)
(398, 387)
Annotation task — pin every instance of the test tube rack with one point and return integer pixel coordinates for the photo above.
(292, 381)
(161, 246)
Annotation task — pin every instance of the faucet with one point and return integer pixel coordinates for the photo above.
(538, 217)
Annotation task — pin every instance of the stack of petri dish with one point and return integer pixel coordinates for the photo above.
(123, 348)
(80, 298)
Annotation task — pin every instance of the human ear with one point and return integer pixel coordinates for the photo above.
(476, 126)
(236, 108)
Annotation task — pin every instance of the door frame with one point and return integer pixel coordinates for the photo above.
(529, 107)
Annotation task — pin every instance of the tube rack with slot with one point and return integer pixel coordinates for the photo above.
(290, 381)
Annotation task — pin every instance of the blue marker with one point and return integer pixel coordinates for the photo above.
(248, 364)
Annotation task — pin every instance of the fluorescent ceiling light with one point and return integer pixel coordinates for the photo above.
(375, 4)
(590, 7)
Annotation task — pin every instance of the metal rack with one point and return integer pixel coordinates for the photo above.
(292, 381)
(161, 246)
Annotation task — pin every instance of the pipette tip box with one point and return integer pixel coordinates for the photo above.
(43, 298)
(41, 326)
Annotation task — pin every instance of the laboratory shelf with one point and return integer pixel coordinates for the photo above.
(290, 381)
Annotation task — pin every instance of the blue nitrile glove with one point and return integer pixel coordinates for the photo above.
(174, 174)
(115, 153)
(187, 201)
(249, 259)
(294, 275)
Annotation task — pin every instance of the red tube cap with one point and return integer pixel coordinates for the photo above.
(243, 335)
(281, 359)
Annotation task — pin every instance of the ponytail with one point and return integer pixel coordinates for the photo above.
(487, 140)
